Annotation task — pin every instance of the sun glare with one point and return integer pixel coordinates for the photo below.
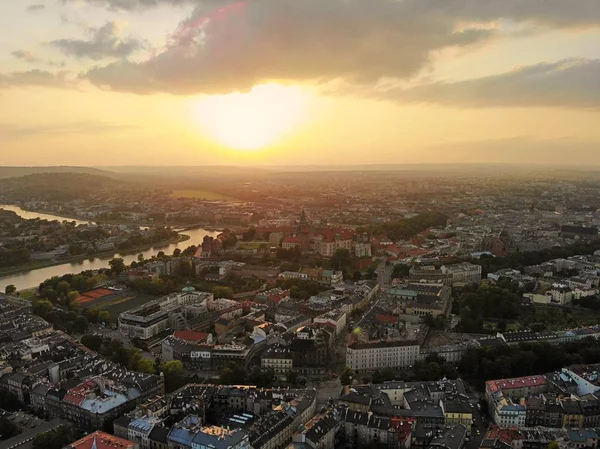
(253, 120)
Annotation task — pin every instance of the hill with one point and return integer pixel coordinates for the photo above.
(14, 172)
(59, 187)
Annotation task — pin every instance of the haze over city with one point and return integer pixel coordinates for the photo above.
(151, 82)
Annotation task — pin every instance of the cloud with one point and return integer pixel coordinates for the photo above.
(250, 42)
(35, 78)
(35, 8)
(560, 13)
(25, 55)
(130, 5)
(567, 83)
(224, 46)
(104, 43)
(14, 132)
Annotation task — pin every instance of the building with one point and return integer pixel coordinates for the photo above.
(277, 358)
(504, 398)
(382, 354)
(155, 317)
(101, 440)
(429, 274)
(221, 438)
(362, 250)
(337, 319)
(465, 272)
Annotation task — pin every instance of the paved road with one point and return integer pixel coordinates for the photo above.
(325, 390)
(475, 440)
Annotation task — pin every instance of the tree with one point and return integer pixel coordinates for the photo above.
(341, 259)
(42, 307)
(104, 316)
(176, 252)
(8, 429)
(160, 254)
(553, 445)
(185, 269)
(292, 377)
(173, 372)
(236, 375)
(357, 276)
(347, 376)
(72, 296)
(10, 289)
(63, 288)
(223, 292)
(55, 439)
(80, 324)
(400, 271)
(145, 366)
(140, 258)
(117, 265)
(93, 342)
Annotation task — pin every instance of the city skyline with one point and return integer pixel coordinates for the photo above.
(164, 82)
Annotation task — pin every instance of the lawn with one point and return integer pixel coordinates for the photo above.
(201, 195)
(120, 304)
(254, 245)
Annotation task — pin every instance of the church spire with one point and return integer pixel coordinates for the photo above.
(303, 219)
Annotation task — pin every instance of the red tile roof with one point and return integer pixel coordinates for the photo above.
(517, 382)
(101, 440)
(77, 395)
(190, 335)
(387, 318)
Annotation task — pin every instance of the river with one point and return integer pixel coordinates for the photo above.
(33, 278)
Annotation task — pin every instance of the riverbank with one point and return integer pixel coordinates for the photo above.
(67, 217)
(30, 266)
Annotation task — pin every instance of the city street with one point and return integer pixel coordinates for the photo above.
(475, 439)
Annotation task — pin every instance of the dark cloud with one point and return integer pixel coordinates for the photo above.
(568, 83)
(226, 46)
(34, 78)
(13, 132)
(250, 42)
(36, 8)
(104, 43)
(25, 55)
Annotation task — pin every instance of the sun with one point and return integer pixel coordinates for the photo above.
(254, 120)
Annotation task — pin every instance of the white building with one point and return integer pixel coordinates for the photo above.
(561, 294)
(157, 316)
(382, 354)
(463, 272)
(362, 250)
(278, 358)
(335, 318)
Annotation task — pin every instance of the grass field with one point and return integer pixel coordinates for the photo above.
(254, 245)
(119, 305)
(201, 195)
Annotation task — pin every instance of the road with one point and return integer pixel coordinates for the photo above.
(475, 440)
(325, 390)
(384, 273)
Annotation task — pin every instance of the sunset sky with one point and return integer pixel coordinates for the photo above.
(202, 82)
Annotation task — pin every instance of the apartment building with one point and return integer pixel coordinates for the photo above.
(465, 272)
(382, 354)
(277, 358)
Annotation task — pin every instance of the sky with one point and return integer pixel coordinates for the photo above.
(328, 82)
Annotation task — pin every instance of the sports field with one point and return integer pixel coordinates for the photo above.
(201, 195)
